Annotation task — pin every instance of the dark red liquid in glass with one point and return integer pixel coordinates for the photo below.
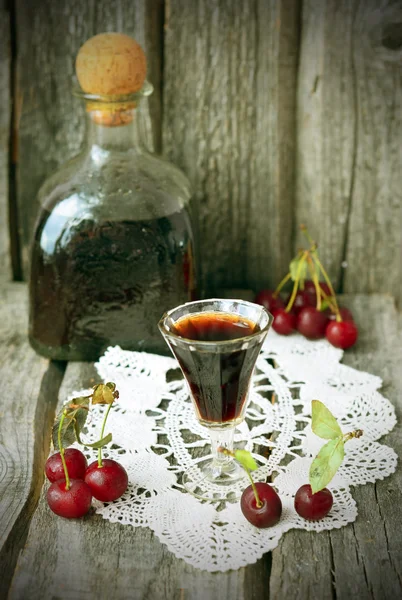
(218, 380)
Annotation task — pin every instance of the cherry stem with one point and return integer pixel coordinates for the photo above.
(308, 236)
(296, 283)
(63, 460)
(230, 453)
(331, 289)
(315, 281)
(100, 464)
(329, 301)
(257, 498)
(353, 434)
(282, 283)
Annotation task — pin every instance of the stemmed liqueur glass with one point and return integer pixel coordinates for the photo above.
(216, 343)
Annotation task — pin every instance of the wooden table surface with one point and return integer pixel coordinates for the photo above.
(44, 557)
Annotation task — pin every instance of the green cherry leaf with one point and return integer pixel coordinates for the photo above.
(103, 394)
(326, 464)
(323, 422)
(99, 444)
(77, 402)
(75, 419)
(298, 268)
(67, 432)
(245, 459)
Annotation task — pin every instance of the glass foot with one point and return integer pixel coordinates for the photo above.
(216, 483)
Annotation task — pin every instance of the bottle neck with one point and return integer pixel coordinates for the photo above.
(114, 131)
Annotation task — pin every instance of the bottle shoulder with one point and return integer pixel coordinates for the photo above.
(135, 184)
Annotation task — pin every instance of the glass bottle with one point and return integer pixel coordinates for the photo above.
(113, 246)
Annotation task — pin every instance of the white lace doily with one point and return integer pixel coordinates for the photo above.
(152, 419)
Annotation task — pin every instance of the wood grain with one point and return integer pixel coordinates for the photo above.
(27, 403)
(374, 237)
(349, 156)
(5, 114)
(326, 114)
(94, 558)
(363, 560)
(50, 120)
(228, 121)
(376, 537)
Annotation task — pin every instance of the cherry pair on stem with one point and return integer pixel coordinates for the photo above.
(261, 504)
(74, 483)
(311, 308)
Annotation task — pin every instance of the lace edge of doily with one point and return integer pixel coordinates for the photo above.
(243, 563)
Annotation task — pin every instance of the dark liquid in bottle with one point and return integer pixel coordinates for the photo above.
(219, 381)
(100, 283)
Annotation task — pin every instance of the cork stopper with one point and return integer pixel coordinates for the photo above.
(111, 64)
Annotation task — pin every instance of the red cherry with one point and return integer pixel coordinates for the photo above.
(284, 322)
(72, 503)
(301, 300)
(267, 299)
(313, 506)
(75, 461)
(270, 511)
(342, 334)
(345, 314)
(107, 482)
(312, 323)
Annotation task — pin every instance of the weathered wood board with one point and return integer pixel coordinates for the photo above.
(28, 398)
(229, 122)
(326, 114)
(349, 156)
(374, 238)
(50, 120)
(363, 560)
(5, 115)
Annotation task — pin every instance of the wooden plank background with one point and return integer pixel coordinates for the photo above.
(229, 122)
(5, 120)
(349, 155)
(30, 386)
(279, 111)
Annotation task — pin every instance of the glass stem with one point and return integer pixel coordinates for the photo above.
(221, 439)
